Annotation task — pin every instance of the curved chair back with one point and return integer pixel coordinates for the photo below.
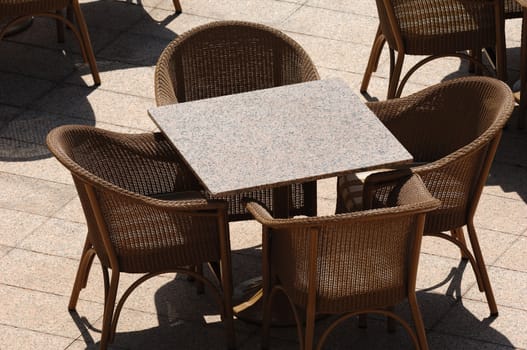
(455, 142)
(141, 213)
(453, 130)
(349, 263)
(229, 57)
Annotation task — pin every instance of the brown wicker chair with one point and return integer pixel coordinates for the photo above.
(362, 262)
(142, 216)
(18, 11)
(436, 28)
(455, 144)
(229, 57)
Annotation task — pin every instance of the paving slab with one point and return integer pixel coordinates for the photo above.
(358, 7)
(32, 195)
(15, 225)
(501, 214)
(56, 237)
(42, 312)
(263, 11)
(71, 211)
(331, 24)
(514, 259)
(104, 106)
(134, 49)
(493, 244)
(12, 337)
(21, 90)
(4, 249)
(47, 64)
(166, 25)
(513, 295)
(471, 319)
(120, 77)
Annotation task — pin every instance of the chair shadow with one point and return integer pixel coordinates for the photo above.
(186, 320)
(22, 135)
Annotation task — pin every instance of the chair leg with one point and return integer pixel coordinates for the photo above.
(373, 61)
(86, 43)
(177, 6)
(458, 234)
(309, 334)
(482, 269)
(228, 321)
(81, 279)
(109, 306)
(395, 73)
(418, 321)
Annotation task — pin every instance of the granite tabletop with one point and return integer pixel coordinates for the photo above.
(278, 136)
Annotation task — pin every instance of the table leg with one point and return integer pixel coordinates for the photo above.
(250, 310)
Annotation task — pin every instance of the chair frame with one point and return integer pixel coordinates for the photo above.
(395, 87)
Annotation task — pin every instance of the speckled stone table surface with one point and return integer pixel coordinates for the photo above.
(278, 136)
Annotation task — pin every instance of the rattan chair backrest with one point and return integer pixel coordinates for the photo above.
(453, 128)
(118, 178)
(362, 259)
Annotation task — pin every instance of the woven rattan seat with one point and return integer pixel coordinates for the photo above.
(347, 264)
(143, 216)
(228, 57)
(455, 144)
(18, 11)
(436, 28)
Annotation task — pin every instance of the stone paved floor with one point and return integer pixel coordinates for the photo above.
(42, 227)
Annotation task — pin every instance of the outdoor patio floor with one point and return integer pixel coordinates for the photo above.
(42, 227)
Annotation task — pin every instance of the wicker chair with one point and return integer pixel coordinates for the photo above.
(436, 28)
(362, 262)
(19, 11)
(453, 145)
(142, 216)
(229, 57)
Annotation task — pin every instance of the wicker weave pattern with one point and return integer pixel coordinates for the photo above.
(431, 26)
(229, 57)
(361, 261)
(142, 214)
(358, 266)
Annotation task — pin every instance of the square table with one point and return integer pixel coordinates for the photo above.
(274, 137)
